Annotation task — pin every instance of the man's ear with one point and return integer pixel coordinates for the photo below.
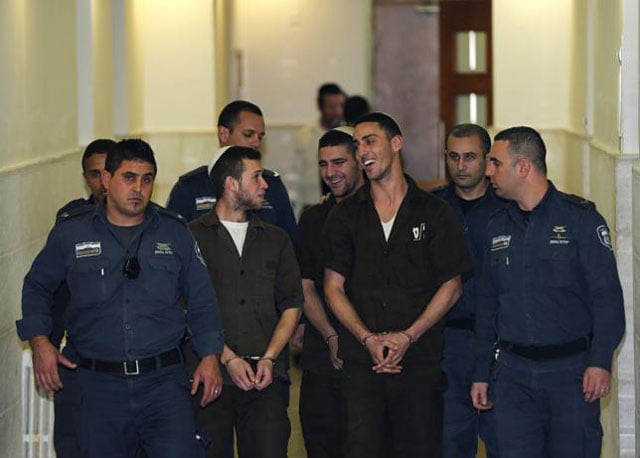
(105, 178)
(523, 166)
(231, 184)
(223, 135)
(396, 143)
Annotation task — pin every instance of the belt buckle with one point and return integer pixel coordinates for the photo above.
(135, 371)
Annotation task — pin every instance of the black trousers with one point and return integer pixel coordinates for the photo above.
(259, 418)
(321, 415)
(393, 415)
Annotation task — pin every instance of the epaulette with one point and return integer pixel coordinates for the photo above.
(65, 215)
(194, 172)
(270, 173)
(577, 200)
(170, 213)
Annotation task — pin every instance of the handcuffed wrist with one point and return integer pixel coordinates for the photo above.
(268, 358)
(331, 336)
(224, 363)
(405, 333)
(365, 338)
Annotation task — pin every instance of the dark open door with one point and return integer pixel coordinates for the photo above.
(466, 86)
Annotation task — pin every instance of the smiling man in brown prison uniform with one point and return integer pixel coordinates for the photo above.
(394, 255)
(320, 398)
(253, 266)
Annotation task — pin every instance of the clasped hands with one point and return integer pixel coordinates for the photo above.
(387, 350)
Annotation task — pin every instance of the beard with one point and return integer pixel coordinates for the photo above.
(245, 202)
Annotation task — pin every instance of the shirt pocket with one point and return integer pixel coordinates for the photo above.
(265, 280)
(162, 282)
(87, 281)
(418, 272)
(557, 265)
(499, 268)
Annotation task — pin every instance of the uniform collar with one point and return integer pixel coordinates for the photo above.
(547, 199)
(364, 193)
(150, 213)
(450, 191)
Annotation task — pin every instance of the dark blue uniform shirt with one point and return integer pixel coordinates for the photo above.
(192, 197)
(549, 278)
(473, 223)
(113, 318)
(61, 296)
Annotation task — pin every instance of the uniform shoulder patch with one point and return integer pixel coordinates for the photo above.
(577, 200)
(68, 212)
(604, 236)
(171, 214)
(195, 172)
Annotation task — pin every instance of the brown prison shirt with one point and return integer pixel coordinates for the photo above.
(253, 290)
(391, 282)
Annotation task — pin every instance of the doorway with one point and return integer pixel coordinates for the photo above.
(432, 69)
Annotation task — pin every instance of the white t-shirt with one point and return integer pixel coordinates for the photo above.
(238, 232)
(386, 227)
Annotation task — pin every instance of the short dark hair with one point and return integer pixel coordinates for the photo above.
(472, 130)
(328, 89)
(386, 122)
(99, 146)
(230, 114)
(354, 107)
(337, 137)
(527, 142)
(130, 149)
(230, 165)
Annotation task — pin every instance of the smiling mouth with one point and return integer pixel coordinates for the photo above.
(368, 162)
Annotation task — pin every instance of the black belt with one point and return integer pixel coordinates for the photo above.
(460, 323)
(135, 367)
(546, 352)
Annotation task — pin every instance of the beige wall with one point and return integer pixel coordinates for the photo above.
(169, 57)
(607, 38)
(102, 61)
(290, 47)
(175, 52)
(38, 165)
(532, 44)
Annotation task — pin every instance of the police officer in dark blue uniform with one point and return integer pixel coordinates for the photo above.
(549, 289)
(127, 264)
(66, 401)
(241, 124)
(473, 201)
